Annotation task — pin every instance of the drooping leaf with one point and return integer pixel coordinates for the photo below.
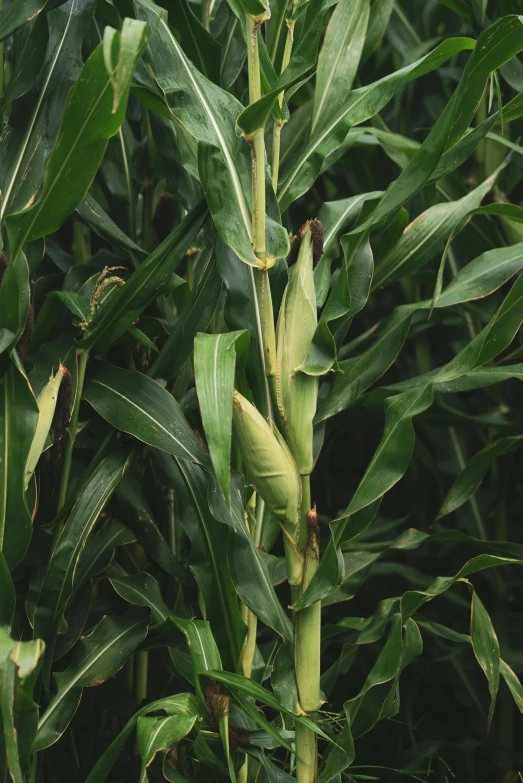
(472, 474)
(134, 403)
(486, 648)
(58, 582)
(247, 686)
(363, 103)
(140, 589)
(97, 657)
(483, 275)
(155, 734)
(427, 234)
(183, 704)
(98, 219)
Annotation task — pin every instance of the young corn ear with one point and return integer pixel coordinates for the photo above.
(297, 320)
(268, 460)
(47, 400)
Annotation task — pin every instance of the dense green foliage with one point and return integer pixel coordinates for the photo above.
(167, 382)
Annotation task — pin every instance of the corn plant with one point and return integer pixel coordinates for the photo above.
(260, 298)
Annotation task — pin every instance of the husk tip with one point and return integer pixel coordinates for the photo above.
(315, 228)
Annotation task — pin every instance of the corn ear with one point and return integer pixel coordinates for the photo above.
(298, 392)
(269, 462)
(46, 407)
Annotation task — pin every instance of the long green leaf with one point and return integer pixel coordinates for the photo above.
(427, 234)
(58, 582)
(18, 13)
(136, 404)
(89, 120)
(17, 661)
(180, 704)
(155, 734)
(23, 149)
(209, 114)
(214, 368)
(362, 104)
(18, 422)
(486, 648)
(497, 44)
(472, 474)
(97, 657)
(209, 554)
(339, 59)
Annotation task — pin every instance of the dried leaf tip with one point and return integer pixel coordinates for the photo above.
(316, 231)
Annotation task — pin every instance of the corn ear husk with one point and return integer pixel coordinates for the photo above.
(298, 392)
(46, 407)
(268, 460)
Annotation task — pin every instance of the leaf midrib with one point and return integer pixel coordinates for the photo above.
(148, 415)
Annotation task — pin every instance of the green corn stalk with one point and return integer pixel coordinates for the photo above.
(274, 463)
(307, 652)
(274, 475)
(130, 406)
(297, 400)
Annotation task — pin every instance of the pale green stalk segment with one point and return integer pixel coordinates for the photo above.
(258, 144)
(268, 332)
(307, 641)
(278, 124)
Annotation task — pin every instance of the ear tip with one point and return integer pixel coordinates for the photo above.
(315, 227)
(317, 234)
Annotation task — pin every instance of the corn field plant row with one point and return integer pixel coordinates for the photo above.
(261, 290)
